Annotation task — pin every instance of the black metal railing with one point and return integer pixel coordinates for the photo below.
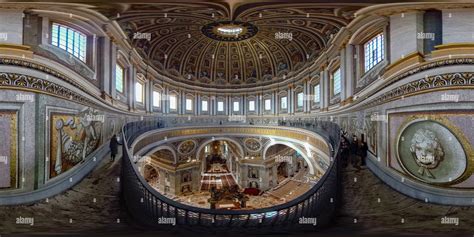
(147, 206)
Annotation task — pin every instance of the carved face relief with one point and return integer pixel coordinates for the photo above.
(426, 151)
(430, 148)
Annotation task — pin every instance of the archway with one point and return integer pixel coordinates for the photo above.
(151, 175)
(288, 162)
(253, 184)
(217, 150)
(166, 148)
(282, 171)
(312, 164)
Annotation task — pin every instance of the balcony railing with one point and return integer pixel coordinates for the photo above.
(150, 208)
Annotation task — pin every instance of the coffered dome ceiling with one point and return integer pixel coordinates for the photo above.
(219, 45)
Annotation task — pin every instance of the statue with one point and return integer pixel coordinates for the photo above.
(426, 150)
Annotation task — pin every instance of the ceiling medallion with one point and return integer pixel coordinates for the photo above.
(229, 30)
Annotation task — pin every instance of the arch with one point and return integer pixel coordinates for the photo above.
(367, 31)
(241, 149)
(165, 147)
(150, 172)
(311, 163)
(253, 184)
(198, 151)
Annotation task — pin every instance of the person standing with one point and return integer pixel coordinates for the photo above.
(363, 152)
(354, 147)
(344, 151)
(113, 147)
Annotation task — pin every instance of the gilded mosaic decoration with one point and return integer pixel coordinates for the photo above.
(253, 144)
(186, 147)
(8, 149)
(73, 138)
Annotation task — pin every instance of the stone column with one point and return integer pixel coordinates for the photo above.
(325, 95)
(349, 71)
(289, 101)
(131, 80)
(111, 69)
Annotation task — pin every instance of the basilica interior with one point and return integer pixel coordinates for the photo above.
(237, 117)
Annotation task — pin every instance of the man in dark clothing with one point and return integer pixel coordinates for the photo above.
(344, 151)
(354, 150)
(363, 152)
(113, 147)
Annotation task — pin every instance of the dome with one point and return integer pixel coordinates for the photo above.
(188, 42)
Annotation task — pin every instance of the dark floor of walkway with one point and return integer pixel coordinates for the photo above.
(93, 205)
(369, 208)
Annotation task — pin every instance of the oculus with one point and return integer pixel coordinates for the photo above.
(229, 30)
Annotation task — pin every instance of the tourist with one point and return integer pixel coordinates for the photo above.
(344, 151)
(363, 152)
(354, 150)
(113, 147)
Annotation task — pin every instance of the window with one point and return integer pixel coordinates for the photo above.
(71, 40)
(220, 106)
(336, 82)
(139, 92)
(204, 105)
(299, 102)
(252, 105)
(268, 104)
(373, 52)
(119, 78)
(317, 94)
(156, 99)
(189, 104)
(283, 102)
(173, 102)
(236, 106)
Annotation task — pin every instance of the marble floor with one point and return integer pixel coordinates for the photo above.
(290, 189)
